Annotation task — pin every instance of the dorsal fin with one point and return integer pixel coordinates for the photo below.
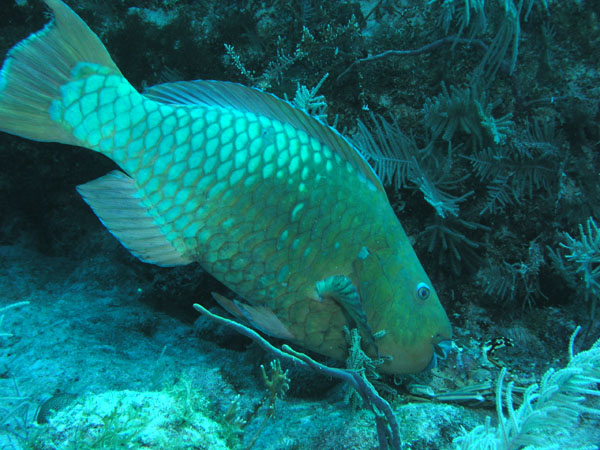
(233, 95)
(117, 203)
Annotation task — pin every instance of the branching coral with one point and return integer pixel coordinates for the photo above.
(518, 170)
(512, 176)
(452, 240)
(399, 162)
(471, 16)
(583, 259)
(466, 110)
(308, 100)
(509, 281)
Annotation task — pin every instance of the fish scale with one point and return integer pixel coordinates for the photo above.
(276, 205)
(221, 253)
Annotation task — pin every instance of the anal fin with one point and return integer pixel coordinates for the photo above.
(116, 200)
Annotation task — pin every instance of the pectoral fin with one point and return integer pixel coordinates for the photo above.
(341, 289)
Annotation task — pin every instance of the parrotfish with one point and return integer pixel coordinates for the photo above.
(272, 202)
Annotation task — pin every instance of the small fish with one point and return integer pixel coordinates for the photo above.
(276, 205)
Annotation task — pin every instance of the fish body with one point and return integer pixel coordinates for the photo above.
(274, 204)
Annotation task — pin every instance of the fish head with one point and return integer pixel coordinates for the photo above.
(400, 300)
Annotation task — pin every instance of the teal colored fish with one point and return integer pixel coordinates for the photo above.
(276, 205)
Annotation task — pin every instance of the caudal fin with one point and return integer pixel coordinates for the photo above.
(37, 67)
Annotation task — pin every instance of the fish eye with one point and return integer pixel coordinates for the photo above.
(423, 291)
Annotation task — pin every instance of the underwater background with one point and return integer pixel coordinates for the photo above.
(483, 121)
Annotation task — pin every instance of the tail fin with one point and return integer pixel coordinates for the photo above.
(38, 66)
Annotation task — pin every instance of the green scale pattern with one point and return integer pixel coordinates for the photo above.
(263, 207)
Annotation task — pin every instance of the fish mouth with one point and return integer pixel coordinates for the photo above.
(441, 350)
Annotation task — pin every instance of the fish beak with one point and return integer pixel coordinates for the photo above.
(441, 350)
